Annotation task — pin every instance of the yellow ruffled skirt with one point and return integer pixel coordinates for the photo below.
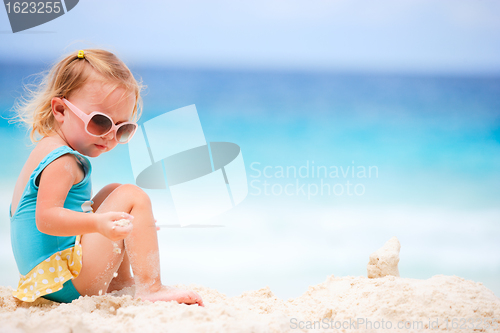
(49, 276)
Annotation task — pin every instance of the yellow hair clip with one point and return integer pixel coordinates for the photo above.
(80, 54)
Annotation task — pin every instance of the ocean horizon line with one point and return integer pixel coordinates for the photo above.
(299, 70)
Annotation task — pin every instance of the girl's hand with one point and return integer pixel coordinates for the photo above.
(107, 227)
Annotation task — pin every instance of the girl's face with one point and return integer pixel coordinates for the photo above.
(95, 95)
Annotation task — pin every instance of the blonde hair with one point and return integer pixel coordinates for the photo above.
(68, 75)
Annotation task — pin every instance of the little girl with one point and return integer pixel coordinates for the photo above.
(65, 243)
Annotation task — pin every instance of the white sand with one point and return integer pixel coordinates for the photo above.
(338, 300)
(122, 222)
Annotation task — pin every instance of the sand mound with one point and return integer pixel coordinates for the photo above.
(347, 300)
(355, 304)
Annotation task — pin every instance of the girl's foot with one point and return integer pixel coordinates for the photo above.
(171, 294)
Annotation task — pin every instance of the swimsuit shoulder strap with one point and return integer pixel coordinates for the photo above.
(55, 154)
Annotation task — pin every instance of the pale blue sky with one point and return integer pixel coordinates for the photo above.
(454, 36)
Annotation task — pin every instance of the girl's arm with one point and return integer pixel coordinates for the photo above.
(51, 216)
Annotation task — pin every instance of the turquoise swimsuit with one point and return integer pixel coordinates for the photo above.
(48, 263)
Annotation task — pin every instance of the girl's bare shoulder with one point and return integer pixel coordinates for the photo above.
(45, 147)
(42, 149)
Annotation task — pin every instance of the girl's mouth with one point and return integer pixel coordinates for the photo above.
(100, 147)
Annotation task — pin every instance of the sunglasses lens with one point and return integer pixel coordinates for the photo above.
(125, 132)
(99, 125)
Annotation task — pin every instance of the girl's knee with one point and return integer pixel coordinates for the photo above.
(111, 187)
(103, 194)
(135, 193)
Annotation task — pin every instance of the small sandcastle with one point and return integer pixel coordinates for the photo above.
(384, 261)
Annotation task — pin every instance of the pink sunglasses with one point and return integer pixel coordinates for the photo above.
(98, 124)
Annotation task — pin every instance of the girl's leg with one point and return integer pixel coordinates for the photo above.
(100, 262)
(103, 194)
(124, 278)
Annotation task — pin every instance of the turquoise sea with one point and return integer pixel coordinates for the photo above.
(432, 145)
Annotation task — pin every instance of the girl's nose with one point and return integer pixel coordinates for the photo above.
(110, 136)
